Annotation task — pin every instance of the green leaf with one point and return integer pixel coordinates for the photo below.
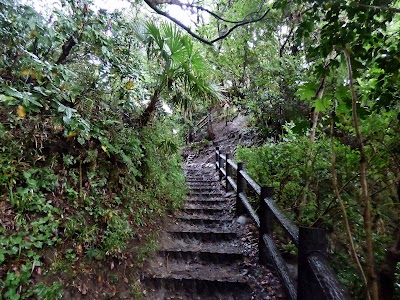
(4, 98)
(31, 99)
(307, 91)
(38, 244)
(323, 104)
(10, 91)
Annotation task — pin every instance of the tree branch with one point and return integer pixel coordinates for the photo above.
(73, 40)
(66, 49)
(205, 10)
(198, 37)
(376, 7)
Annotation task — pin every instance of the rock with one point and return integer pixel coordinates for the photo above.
(242, 220)
(292, 270)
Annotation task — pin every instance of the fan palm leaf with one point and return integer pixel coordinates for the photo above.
(184, 71)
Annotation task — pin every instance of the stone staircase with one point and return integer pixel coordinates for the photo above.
(201, 253)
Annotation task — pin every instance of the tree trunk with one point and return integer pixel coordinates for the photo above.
(372, 278)
(387, 276)
(150, 109)
(315, 114)
(344, 211)
(210, 132)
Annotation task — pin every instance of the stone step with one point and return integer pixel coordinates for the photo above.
(199, 204)
(201, 181)
(213, 194)
(203, 220)
(203, 177)
(161, 267)
(208, 201)
(185, 226)
(207, 189)
(206, 211)
(160, 288)
(210, 235)
(192, 257)
(169, 242)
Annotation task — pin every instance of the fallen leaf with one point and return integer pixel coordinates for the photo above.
(79, 249)
(113, 290)
(71, 135)
(21, 112)
(129, 85)
(83, 289)
(112, 265)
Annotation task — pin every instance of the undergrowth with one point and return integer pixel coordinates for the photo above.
(300, 172)
(64, 205)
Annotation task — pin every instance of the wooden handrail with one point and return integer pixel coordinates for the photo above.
(291, 230)
(196, 128)
(316, 280)
(251, 182)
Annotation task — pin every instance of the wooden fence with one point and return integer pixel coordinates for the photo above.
(193, 131)
(316, 279)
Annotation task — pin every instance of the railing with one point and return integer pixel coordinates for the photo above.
(206, 121)
(316, 279)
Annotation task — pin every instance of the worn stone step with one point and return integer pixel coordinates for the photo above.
(191, 257)
(213, 194)
(207, 201)
(203, 220)
(202, 182)
(164, 268)
(210, 235)
(160, 288)
(199, 204)
(207, 211)
(202, 177)
(185, 226)
(169, 242)
(206, 189)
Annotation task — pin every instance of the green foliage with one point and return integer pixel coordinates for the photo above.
(181, 73)
(300, 172)
(78, 177)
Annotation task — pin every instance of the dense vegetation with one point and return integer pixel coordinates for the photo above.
(319, 79)
(89, 158)
(86, 170)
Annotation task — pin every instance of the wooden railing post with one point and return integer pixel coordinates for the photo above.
(266, 222)
(228, 170)
(190, 135)
(311, 240)
(216, 158)
(221, 166)
(240, 189)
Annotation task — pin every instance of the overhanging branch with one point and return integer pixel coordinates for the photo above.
(198, 37)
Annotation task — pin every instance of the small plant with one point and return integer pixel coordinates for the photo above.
(51, 292)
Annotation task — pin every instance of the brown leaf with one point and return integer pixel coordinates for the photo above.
(79, 249)
(83, 289)
(113, 290)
